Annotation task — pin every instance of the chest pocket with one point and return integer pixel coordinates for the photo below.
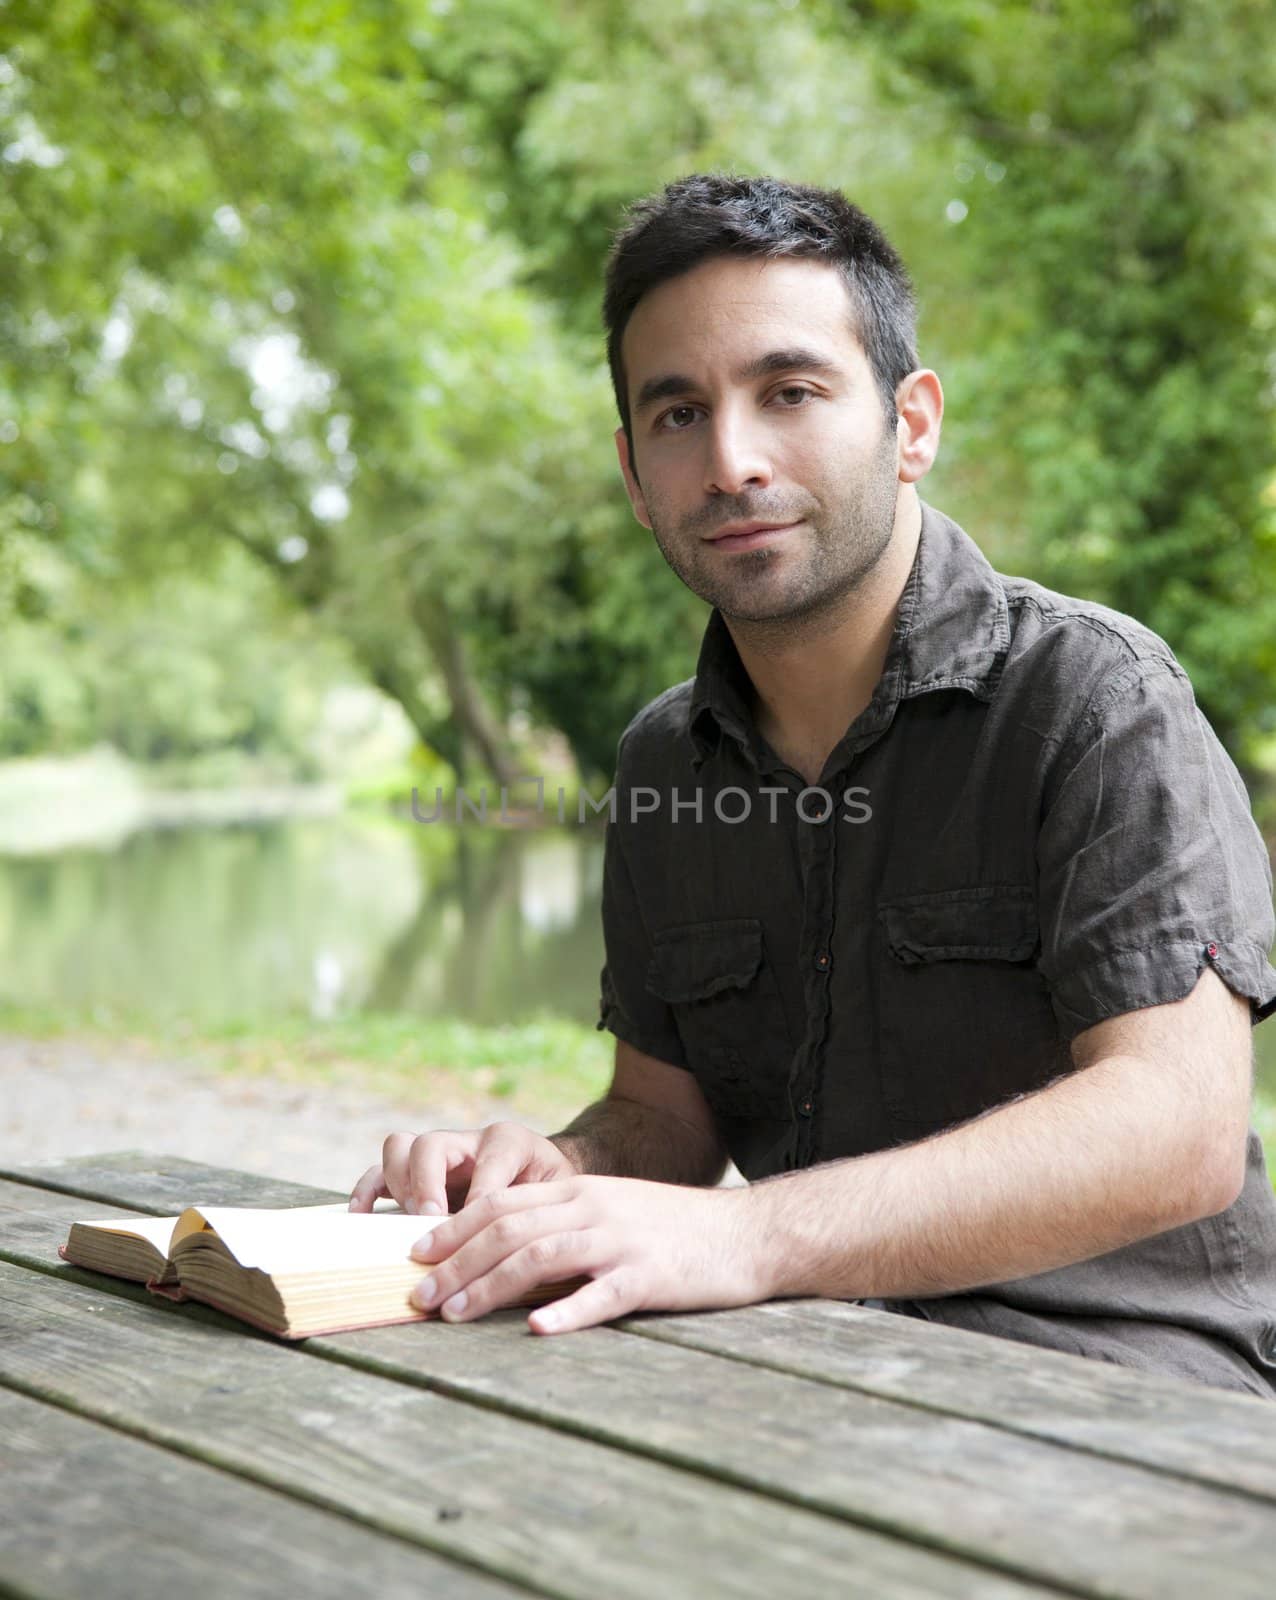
(729, 1012)
(963, 1016)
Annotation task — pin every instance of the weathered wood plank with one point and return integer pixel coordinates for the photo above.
(1031, 1507)
(1186, 1429)
(1174, 1426)
(88, 1513)
(163, 1184)
(1040, 1510)
(515, 1499)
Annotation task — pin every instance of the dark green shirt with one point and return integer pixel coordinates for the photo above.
(1030, 828)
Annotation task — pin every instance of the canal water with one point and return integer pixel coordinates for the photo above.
(319, 917)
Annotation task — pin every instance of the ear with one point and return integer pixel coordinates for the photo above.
(919, 400)
(636, 497)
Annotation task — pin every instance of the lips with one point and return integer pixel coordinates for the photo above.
(749, 535)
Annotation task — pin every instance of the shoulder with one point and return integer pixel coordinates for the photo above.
(1072, 628)
(656, 736)
(1070, 660)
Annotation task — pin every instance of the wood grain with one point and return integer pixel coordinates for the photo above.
(138, 1181)
(519, 1501)
(90, 1514)
(1041, 1510)
(1030, 1506)
(1185, 1429)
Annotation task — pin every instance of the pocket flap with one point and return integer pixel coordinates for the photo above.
(703, 958)
(994, 923)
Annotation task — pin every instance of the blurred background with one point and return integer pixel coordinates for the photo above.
(309, 494)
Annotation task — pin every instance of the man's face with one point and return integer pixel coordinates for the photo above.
(752, 401)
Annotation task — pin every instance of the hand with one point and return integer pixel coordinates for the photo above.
(644, 1247)
(428, 1171)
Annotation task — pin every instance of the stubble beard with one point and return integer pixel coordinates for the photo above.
(840, 550)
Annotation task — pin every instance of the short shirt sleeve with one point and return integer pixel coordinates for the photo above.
(628, 1008)
(1150, 865)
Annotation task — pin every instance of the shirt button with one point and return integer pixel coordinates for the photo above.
(823, 961)
(1211, 950)
(806, 1108)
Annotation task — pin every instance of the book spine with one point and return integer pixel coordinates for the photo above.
(168, 1290)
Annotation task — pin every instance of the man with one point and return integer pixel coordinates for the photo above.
(932, 900)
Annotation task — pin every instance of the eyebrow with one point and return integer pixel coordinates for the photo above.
(764, 366)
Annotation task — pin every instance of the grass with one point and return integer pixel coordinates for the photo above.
(543, 1068)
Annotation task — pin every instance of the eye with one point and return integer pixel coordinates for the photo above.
(673, 411)
(667, 422)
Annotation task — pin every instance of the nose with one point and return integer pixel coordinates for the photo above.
(737, 455)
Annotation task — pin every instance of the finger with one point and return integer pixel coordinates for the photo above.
(485, 1251)
(470, 1222)
(470, 1288)
(431, 1158)
(602, 1299)
(394, 1164)
(370, 1187)
(458, 1185)
(504, 1151)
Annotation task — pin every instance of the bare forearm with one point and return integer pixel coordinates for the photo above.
(623, 1139)
(1097, 1160)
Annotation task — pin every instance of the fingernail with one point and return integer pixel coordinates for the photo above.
(457, 1304)
(546, 1319)
(423, 1295)
(432, 1208)
(421, 1248)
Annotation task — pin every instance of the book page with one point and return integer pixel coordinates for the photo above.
(157, 1231)
(309, 1238)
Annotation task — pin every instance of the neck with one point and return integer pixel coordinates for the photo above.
(813, 676)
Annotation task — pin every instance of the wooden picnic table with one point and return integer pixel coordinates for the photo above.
(801, 1448)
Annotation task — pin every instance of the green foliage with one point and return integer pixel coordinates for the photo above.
(319, 282)
(170, 675)
(1123, 277)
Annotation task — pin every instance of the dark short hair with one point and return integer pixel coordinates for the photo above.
(706, 215)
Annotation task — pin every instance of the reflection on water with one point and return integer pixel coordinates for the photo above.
(215, 924)
(222, 924)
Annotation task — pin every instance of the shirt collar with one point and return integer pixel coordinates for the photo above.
(952, 631)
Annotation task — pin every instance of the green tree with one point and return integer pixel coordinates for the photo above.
(321, 281)
(282, 317)
(1122, 268)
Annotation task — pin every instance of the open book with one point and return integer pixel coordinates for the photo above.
(295, 1273)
